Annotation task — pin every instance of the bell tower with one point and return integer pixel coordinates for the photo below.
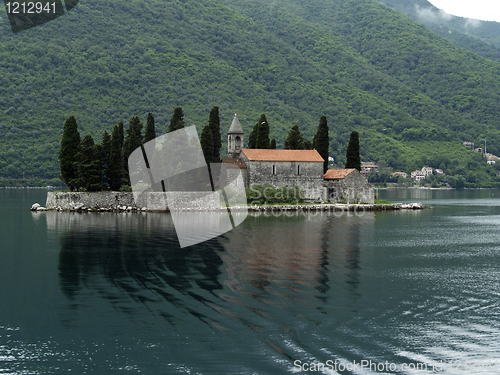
(234, 138)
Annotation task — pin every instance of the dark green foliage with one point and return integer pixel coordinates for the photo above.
(352, 153)
(176, 121)
(115, 169)
(269, 194)
(105, 149)
(67, 154)
(150, 132)
(252, 138)
(133, 139)
(308, 145)
(321, 141)
(294, 141)
(361, 64)
(214, 125)
(262, 140)
(273, 144)
(207, 144)
(88, 164)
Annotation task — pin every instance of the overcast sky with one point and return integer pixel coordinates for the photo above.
(486, 10)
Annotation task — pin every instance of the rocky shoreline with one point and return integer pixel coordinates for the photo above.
(124, 202)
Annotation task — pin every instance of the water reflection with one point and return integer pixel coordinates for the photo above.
(134, 256)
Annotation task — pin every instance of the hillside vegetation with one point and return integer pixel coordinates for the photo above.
(413, 96)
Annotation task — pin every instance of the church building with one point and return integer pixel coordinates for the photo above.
(303, 168)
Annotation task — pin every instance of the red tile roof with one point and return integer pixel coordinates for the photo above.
(337, 174)
(281, 155)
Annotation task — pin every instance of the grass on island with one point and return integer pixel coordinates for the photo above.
(382, 201)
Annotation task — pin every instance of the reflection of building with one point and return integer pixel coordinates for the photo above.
(348, 185)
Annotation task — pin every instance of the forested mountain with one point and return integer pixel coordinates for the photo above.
(412, 96)
(481, 37)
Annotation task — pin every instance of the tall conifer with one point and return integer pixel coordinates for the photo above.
(176, 121)
(105, 157)
(352, 153)
(321, 141)
(67, 153)
(150, 132)
(214, 124)
(294, 141)
(115, 167)
(89, 165)
(262, 140)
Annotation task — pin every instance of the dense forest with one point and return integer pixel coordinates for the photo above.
(412, 96)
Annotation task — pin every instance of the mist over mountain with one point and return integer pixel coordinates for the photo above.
(481, 37)
(413, 96)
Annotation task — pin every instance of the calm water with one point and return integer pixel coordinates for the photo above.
(113, 293)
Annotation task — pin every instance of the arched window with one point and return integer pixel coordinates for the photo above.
(298, 169)
(274, 169)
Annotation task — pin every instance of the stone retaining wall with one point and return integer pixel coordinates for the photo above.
(118, 201)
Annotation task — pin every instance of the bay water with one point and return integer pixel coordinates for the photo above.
(400, 292)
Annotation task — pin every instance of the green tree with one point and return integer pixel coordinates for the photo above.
(294, 141)
(321, 142)
(115, 166)
(89, 165)
(273, 144)
(214, 125)
(352, 153)
(150, 132)
(252, 138)
(105, 149)
(67, 154)
(176, 121)
(207, 144)
(132, 141)
(262, 140)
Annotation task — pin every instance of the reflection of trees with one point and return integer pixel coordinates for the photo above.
(137, 257)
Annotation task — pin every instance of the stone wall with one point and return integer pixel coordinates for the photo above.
(307, 175)
(354, 188)
(110, 201)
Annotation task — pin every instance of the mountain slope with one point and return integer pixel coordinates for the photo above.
(481, 37)
(368, 71)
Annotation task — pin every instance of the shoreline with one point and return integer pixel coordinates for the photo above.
(124, 202)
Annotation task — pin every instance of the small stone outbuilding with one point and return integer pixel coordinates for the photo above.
(347, 186)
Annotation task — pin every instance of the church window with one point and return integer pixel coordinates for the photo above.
(298, 169)
(274, 169)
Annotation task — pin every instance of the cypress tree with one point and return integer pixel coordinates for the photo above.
(214, 124)
(115, 166)
(105, 156)
(207, 144)
(321, 141)
(262, 140)
(294, 141)
(67, 153)
(252, 138)
(273, 144)
(89, 165)
(352, 153)
(150, 132)
(133, 139)
(176, 121)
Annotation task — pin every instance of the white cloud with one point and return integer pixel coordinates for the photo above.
(486, 10)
